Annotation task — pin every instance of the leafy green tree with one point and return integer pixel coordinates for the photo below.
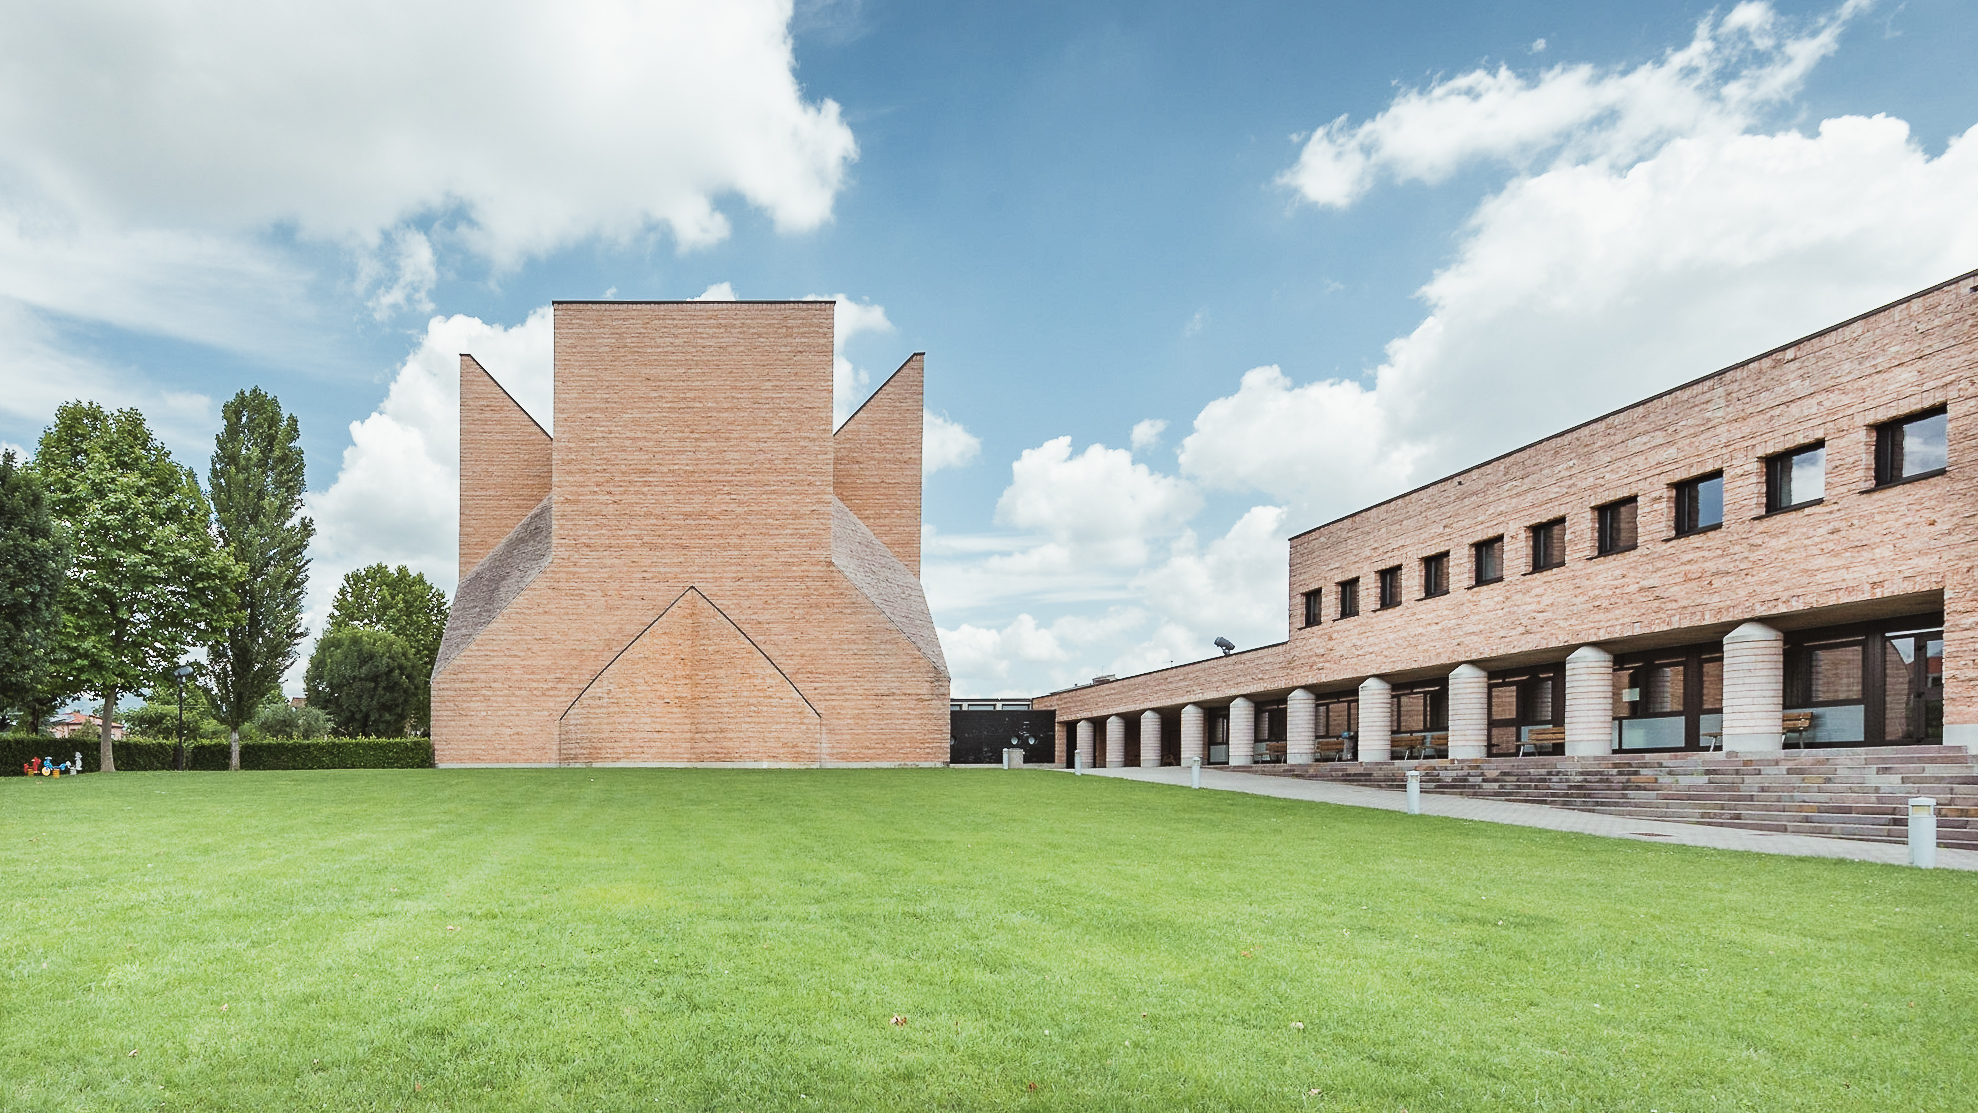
(368, 681)
(256, 481)
(146, 578)
(33, 557)
(284, 720)
(403, 602)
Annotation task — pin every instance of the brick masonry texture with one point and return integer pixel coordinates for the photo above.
(876, 461)
(695, 605)
(1862, 553)
(504, 464)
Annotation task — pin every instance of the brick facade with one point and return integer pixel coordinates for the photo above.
(703, 596)
(1865, 552)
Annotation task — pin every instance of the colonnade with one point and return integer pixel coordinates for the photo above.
(1754, 705)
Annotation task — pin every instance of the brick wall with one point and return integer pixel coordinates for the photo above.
(504, 464)
(876, 462)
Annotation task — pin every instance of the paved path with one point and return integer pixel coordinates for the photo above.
(1539, 815)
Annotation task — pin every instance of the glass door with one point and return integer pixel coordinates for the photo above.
(1913, 687)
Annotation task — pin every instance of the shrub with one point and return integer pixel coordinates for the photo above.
(285, 722)
(367, 681)
(143, 754)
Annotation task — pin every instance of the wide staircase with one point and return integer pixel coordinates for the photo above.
(1849, 794)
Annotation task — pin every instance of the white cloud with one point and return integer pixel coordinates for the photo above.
(1731, 70)
(849, 319)
(1146, 434)
(1234, 587)
(720, 291)
(1098, 507)
(396, 497)
(415, 271)
(945, 444)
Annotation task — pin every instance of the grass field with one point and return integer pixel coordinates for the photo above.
(698, 939)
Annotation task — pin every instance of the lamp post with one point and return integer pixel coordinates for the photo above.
(178, 750)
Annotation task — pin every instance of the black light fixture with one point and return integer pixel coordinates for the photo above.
(178, 750)
(1226, 646)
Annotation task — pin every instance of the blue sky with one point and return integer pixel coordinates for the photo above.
(1337, 250)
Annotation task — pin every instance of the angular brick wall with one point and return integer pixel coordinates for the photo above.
(694, 454)
(876, 461)
(504, 464)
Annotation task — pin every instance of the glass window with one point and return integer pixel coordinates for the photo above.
(1349, 597)
(1390, 586)
(1312, 603)
(1700, 504)
(1796, 478)
(1915, 446)
(1549, 544)
(1617, 526)
(1435, 575)
(1489, 560)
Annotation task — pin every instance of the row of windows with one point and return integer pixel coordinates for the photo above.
(1914, 447)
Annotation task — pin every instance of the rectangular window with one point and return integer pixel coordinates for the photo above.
(1435, 575)
(1312, 601)
(1390, 587)
(1349, 597)
(1548, 544)
(1617, 526)
(1489, 560)
(1912, 448)
(1699, 504)
(1797, 478)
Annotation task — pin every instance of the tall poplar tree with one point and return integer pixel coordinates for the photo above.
(146, 577)
(33, 557)
(256, 483)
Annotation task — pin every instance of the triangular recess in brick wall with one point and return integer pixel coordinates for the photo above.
(692, 687)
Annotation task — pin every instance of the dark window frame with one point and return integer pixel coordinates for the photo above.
(1477, 550)
(1887, 442)
(1606, 526)
(1435, 575)
(1349, 598)
(1689, 507)
(1388, 584)
(1778, 476)
(1314, 605)
(1551, 553)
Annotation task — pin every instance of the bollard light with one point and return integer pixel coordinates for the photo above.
(1006, 759)
(1414, 792)
(1077, 764)
(1194, 772)
(1923, 832)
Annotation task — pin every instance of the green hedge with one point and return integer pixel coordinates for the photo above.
(140, 754)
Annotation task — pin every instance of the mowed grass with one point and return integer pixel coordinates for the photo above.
(727, 940)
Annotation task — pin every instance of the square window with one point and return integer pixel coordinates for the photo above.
(1349, 597)
(1488, 559)
(1616, 523)
(1548, 544)
(1312, 601)
(1796, 478)
(1435, 575)
(1699, 504)
(1390, 587)
(1912, 448)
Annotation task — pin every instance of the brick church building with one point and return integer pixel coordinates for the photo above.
(696, 569)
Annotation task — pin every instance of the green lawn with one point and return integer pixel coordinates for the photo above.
(697, 939)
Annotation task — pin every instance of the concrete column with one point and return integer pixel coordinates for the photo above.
(1376, 742)
(1301, 725)
(1589, 702)
(1115, 743)
(1191, 735)
(1150, 739)
(1242, 731)
(1469, 712)
(1754, 688)
(1084, 755)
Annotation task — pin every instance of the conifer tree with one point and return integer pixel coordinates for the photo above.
(256, 482)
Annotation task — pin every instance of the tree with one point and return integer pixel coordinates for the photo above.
(256, 480)
(33, 558)
(367, 681)
(404, 603)
(146, 577)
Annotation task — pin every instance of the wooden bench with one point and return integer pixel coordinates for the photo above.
(1542, 736)
(1796, 723)
(1419, 744)
(1272, 752)
(1329, 748)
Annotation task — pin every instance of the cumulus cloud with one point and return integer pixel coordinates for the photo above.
(1096, 507)
(720, 291)
(945, 444)
(396, 497)
(1146, 434)
(1734, 68)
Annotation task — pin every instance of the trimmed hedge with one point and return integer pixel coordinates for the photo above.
(141, 754)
